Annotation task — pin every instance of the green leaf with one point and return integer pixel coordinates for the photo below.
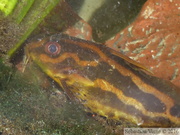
(26, 5)
(7, 6)
(30, 18)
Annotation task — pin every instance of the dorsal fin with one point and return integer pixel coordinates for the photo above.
(136, 64)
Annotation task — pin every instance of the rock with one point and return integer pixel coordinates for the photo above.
(153, 39)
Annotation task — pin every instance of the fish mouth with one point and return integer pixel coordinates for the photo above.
(26, 59)
(25, 62)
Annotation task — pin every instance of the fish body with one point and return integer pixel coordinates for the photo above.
(107, 82)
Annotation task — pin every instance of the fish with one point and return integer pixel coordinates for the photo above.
(107, 82)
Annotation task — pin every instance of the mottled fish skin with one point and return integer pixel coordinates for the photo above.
(107, 82)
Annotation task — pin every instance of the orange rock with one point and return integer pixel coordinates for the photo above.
(153, 39)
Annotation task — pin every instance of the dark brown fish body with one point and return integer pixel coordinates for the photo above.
(107, 82)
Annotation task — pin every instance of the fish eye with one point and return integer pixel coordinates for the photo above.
(52, 48)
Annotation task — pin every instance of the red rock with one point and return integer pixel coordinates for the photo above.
(81, 29)
(153, 39)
